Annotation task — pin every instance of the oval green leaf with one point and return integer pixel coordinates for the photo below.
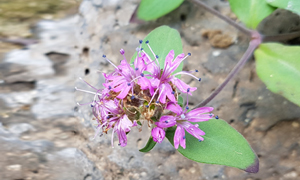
(222, 145)
(251, 12)
(150, 145)
(291, 5)
(278, 66)
(153, 9)
(162, 40)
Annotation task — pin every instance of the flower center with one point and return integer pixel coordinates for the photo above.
(182, 116)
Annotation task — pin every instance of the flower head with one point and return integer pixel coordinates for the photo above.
(127, 96)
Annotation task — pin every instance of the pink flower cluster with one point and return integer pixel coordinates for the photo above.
(131, 97)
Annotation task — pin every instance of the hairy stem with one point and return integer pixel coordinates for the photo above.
(254, 43)
(226, 19)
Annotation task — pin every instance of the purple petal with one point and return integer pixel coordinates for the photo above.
(200, 118)
(122, 137)
(145, 58)
(125, 123)
(158, 134)
(140, 65)
(182, 140)
(182, 86)
(166, 121)
(134, 123)
(120, 86)
(111, 106)
(125, 69)
(169, 91)
(179, 136)
(146, 84)
(124, 92)
(198, 111)
(162, 93)
(174, 108)
(193, 130)
(151, 66)
(169, 58)
(177, 61)
(154, 82)
(165, 91)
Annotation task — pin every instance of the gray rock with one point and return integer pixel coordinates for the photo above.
(26, 66)
(73, 165)
(20, 128)
(54, 98)
(18, 99)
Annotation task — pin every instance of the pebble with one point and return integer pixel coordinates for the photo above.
(291, 175)
(295, 124)
(14, 167)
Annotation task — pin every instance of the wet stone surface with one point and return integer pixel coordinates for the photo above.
(45, 135)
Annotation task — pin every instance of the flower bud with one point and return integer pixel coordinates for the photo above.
(158, 134)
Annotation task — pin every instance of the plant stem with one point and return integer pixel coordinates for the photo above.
(254, 43)
(226, 19)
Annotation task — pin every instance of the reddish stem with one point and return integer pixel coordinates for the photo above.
(254, 43)
(221, 16)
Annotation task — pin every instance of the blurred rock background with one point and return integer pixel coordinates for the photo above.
(47, 45)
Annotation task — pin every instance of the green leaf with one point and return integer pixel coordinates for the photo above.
(291, 5)
(150, 144)
(162, 40)
(222, 145)
(153, 9)
(180, 101)
(278, 66)
(251, 12)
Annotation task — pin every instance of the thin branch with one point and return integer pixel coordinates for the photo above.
(226, 19)
(254, 43)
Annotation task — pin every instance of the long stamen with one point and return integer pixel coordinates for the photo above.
(99, 96)
(160, 94)
(141, 41)
(186, 73)
(150, 62)
(148, 56)
(79, 104)
(135, 78)
(128, 66)
(139, 49)
(90, 92)
(87, 83)
(119, 70)
(187, 100)
(156, 56)
(152, 98)
(104, 56)
(98, 130)
(192, 71)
